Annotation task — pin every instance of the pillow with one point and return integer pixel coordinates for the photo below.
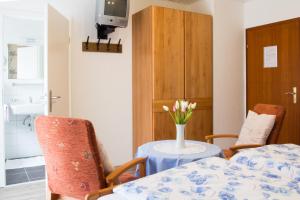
(256, 129)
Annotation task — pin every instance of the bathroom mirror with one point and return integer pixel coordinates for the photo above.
(25, 62)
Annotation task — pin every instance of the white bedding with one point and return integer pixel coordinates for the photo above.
(270, 172)
(113, 197)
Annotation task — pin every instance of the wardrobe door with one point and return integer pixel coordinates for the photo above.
(198, 73)
(168, 68)
(142, 82)
(163, 125)
(168, 34)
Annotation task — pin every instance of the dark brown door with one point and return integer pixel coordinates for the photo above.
(268, 82)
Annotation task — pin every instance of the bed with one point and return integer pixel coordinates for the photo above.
(269, 172)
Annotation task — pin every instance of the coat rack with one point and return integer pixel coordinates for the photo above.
(102, 47)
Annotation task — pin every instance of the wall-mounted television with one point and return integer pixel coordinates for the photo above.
(112, 12)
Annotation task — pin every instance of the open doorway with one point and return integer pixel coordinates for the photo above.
(23, 95)
(35, 57)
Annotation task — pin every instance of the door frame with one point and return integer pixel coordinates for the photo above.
(25, 15)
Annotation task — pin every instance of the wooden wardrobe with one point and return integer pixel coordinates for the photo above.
(172, 59)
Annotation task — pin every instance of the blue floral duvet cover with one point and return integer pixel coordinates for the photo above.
(270, 172)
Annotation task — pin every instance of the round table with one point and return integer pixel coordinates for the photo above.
(163, 155)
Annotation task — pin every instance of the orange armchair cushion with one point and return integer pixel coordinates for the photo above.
(73, 165)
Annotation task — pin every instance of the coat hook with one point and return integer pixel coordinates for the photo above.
(98, 43)
(87, 43)
(119, 43)
(108, 44)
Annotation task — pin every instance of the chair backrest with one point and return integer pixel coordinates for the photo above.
(279, 111)
(72, 160)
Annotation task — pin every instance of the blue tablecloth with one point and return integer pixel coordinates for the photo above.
(158, 161)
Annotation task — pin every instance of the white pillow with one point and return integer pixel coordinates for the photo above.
(256, 129)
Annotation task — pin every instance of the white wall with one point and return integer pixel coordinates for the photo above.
(202, 6)
(259, 12)
(101, 83)
(229, 102)
(228, 70)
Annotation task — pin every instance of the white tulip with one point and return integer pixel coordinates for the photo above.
(184, 105)
(166, 108)
(194, 105)
(176, 105)
(181, 104)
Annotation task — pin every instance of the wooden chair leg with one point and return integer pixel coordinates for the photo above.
(51, 196)
(54, 196)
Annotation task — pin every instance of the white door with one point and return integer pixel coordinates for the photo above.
(57, 62)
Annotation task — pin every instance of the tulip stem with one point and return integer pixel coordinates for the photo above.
(172, 116)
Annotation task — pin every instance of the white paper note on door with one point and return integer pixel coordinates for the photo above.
(270, 57)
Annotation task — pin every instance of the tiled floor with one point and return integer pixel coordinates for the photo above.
(23, 175)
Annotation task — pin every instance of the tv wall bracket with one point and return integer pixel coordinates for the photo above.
(104, 30)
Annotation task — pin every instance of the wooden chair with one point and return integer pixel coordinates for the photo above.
(279, 111)
(73, 163)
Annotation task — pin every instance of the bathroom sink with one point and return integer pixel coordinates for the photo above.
(27, 108)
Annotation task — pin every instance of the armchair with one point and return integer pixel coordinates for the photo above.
(74, 165)
(278, 111)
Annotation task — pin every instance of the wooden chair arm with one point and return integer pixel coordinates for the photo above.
(244, 146)
(209, 138)
(111, 179)
(99, 193)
